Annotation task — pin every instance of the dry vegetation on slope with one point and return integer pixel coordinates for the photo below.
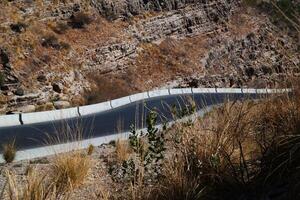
(63, 53)
(242, 150)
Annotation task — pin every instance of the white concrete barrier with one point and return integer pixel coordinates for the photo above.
(229, 90)
(45, 116)
(77, 145)
(29, 118)
(95, 108)
(181, 91)
(262, 91)
(120, 102)
(248, 91)
(9, 120)
(281, 90)
(204, 90)
(158, 93)
(66, 147)
(139, 96)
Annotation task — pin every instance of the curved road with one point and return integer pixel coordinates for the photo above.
(109, 122)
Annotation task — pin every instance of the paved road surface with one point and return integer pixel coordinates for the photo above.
(109, 122)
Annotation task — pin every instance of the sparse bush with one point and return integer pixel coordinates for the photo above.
(18, 27)
(51, 41)
(239, 150)
(64, 45)
(9, 152)
(60, 28)
(79, 20)
(138, 161)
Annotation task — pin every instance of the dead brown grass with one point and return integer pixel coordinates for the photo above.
(35, 187)
(123, 150)
(239, 150)
(70, 170)
(9, 151)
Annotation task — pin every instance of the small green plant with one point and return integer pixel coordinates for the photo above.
(9, 151)
(90, 149)
(135, 140)
(156, 139)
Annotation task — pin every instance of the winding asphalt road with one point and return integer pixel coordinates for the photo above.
(110, 122)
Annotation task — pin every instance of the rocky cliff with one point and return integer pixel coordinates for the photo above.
(62, 53)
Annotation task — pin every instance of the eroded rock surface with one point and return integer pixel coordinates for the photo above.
(127, 46)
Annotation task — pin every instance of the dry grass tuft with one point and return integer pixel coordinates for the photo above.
(245, 149)
(103, 194)
(9, 152)
(123, 150)
(179, 183)
(35, 187)
(64, 174)
(70, 170)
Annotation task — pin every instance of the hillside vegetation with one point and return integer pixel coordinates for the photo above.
(241, 150)
(57, 54)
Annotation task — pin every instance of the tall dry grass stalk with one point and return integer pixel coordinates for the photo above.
(35, 187)
(66, 173)
(123, 150)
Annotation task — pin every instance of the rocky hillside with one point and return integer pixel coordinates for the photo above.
(55, 54)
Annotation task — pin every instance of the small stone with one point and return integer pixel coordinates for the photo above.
(61, 104)
(19, 92)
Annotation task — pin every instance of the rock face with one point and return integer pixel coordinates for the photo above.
(180, 22)
(128, 46)
(257, 60)
(113, 9)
